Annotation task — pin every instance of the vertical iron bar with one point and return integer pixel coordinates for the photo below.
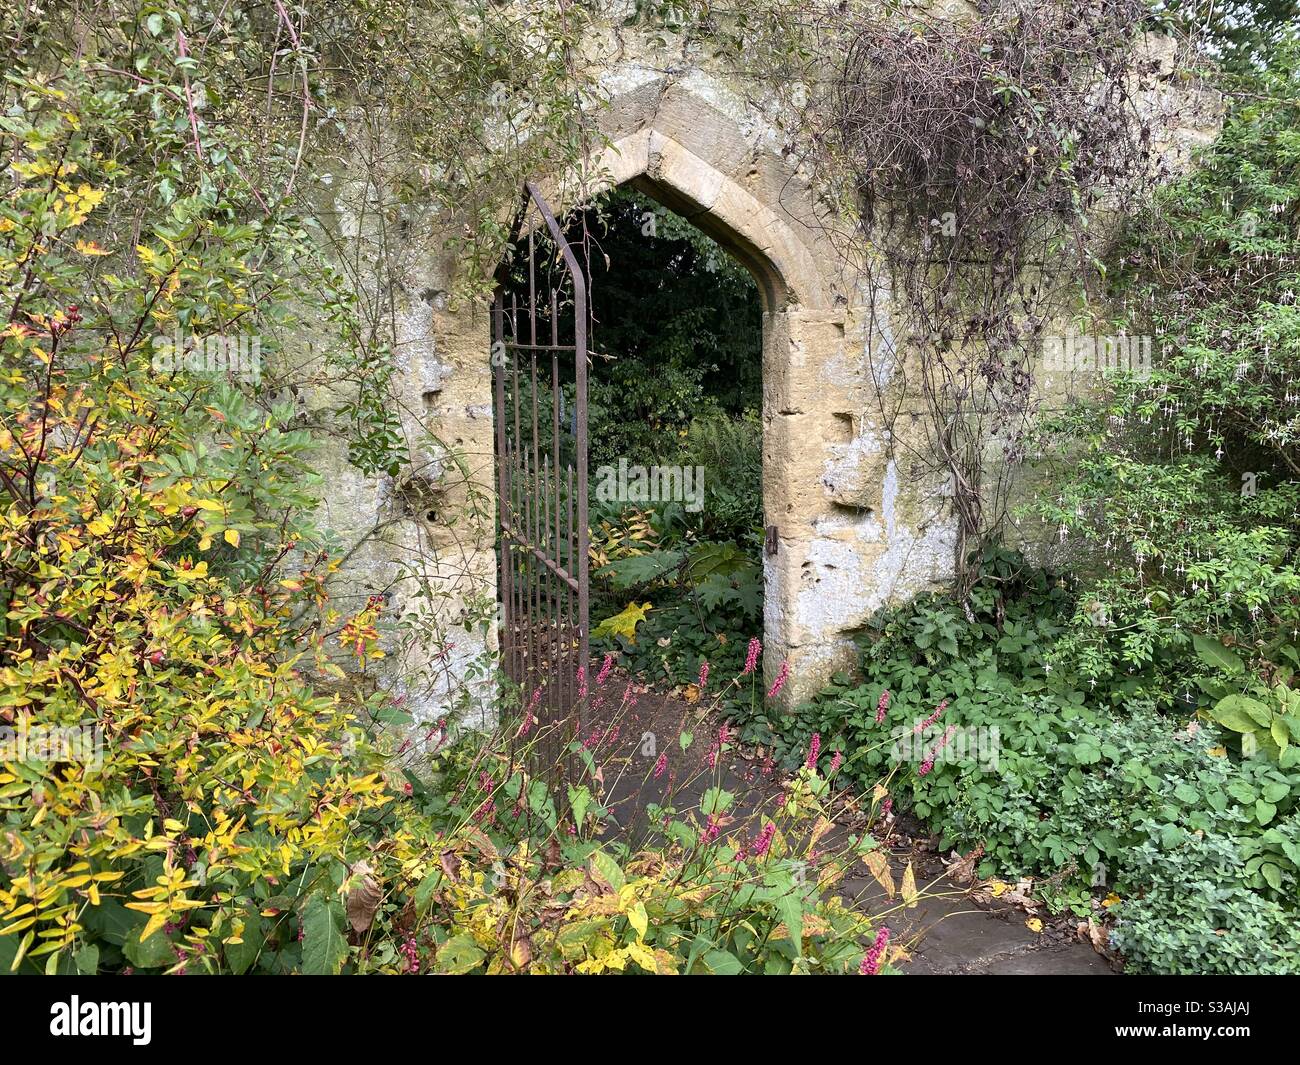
(503, 478)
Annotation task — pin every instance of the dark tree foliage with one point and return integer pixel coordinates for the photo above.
(677, 328)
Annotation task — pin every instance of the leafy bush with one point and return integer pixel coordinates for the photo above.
(1177, 491)
(1053, 775)
(688, 898)
(167, 762)
(1196, 916)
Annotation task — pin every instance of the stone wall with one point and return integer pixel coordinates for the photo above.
(857, 527)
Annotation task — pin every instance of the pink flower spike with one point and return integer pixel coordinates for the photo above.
(605, 667)
(928, 764)
(814, 748)
(921, 726)
(782, 675)
(836, 762)
(882, 706)
(704, 674)
(661, 765)
(871, 960)
(764, 839)
(582, 682)
(751, 656)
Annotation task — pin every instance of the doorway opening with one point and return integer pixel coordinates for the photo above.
(673, 435)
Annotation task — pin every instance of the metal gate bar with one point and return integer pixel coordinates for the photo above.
(542, 484)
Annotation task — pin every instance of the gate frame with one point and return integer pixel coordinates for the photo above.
(521, 528)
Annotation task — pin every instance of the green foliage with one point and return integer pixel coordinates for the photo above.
(1179, 492)
(1198, 914)
(1062, 777)
(518, 879)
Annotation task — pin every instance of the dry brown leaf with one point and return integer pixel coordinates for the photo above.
(364, 898)
(962, 870)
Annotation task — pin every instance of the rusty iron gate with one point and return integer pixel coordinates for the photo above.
(539, 356)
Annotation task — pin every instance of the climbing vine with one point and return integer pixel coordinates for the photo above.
(981, 152)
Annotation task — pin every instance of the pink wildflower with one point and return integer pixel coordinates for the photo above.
(836, 762)
(704, 674)
(928, 764)
(751, 656)
(711, 829)
(921, 726)
(605, 667)
(882, 706)
(782, 675)
(582, 682)
(661, 765)
(764, 839)
(871, 960)
(814, 748)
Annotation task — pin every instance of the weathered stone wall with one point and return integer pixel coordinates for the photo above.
(857, 526)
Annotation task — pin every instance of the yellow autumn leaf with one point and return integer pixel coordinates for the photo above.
(1034, 925)
(231, 536)
(908, 888)
(636, 917)
(878, 866)
(625, 622)
(155, 922)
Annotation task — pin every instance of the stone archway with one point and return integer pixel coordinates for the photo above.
(852, 531)
(803, 333)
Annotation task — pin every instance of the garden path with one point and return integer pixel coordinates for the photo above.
(954, 930)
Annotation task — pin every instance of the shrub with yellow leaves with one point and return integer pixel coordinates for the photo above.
(178, 791)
